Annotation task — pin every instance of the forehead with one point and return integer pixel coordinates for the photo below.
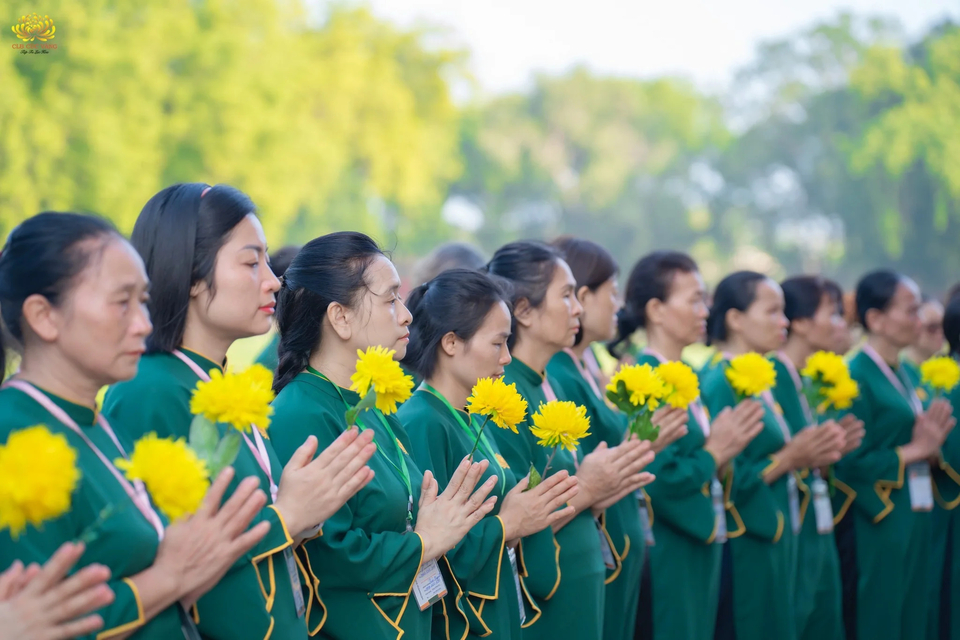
(382, 275)
(562, 275)
(769, 291)
(112, 264)
(907, 293)
(248, 232)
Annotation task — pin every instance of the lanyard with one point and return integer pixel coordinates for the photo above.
(402, 470)
(911, 396)
(584, 373)
(136, 491)
(472, 431)
(768, 400)
(798, 384)
(551, 396)
(696, 407)
(256, 446)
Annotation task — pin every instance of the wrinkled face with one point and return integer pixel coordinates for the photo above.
(899, 324)
(486, 353)
(243, 299)
(763, 326)
(930, 341)
(102, 323)
(599, 318)
(556, 321)
(380, 318)
(822, 330)
(684, 313)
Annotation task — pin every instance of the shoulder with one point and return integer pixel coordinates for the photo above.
(17, 411)
(159, 376)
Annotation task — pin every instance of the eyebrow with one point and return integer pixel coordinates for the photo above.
(255, 247)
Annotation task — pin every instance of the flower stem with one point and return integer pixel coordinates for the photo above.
(477, 441)
(549, 460)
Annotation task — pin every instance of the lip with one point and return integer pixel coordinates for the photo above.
(406, 337)
(269, 308)
(136, 353)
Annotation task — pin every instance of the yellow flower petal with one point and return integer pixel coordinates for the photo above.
(751, 374)
(941, 374)
(377, 369)
(560, 424)
(682, 384)
(238, 399)
(494, 398)
(175, 477)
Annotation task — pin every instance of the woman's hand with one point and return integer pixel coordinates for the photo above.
(930, 430)
(854, 432)
(814, 446)
(673, 426)
(527, 512)
(313, 489)
(444, 520)
(607, 474)
(43, 604)
(733, 429)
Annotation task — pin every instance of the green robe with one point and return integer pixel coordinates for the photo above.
(268, 357)
(565, 572)
(480, 561)
(254, 600)
(884, 545)
(126, 543)
(761, 539)
(365, 562)
(685, 561)
(819, 595)
(622, 520)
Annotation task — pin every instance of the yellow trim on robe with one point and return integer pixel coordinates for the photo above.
(415, 574)
(731, 508)
(649, 509)
(953, 475)
(313, 584)
(776, 538)
(613, 550)
(883, 488)
(478, 614)
(557, 585)
(851, 496)
(195, 610)
(270, 630)
(141, 619)
(456, 602)
(286, 534)
(774, 463)
(522, 572)
(503, 545)
(803, 488)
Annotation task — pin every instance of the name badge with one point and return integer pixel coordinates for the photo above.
(920, 486)
(516, 580)
(605, 549)
(294, 572)
(794, 496)
(645, 519)
(822, 508)
(719, 511)
(429, 587)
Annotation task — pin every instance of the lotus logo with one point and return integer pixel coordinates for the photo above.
(34, 27)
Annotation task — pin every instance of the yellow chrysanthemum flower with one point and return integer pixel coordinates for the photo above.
(751, 374)
(494, 398)
(941, 374)
(682, 384)
(826, 367)
(644, 386)
(839, 395)
(377, 369)
(38, 473)
(238, 399)
(174, 476)
(560, 424)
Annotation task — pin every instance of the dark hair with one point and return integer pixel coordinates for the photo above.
(42, 256)
(650, 279)
(951, 325)
(457, 300)
(802, 296)
(281, 258)
(179, 233)
(591, 265)
(875, 291)
(952, 293)
(835, 291)
(452, 255)
(737, 291)
(527, 267)
(331, 268)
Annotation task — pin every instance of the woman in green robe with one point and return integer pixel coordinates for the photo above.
(379, 562)
(666, 297)
(764, 510)
(567, 563)
(627, 521)
(72, 293)
(884, 539)
(815, 315)
(459, 334)
(205, 255)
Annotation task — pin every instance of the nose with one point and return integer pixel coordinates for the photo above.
(505, 357)
(405, 317)
(576, 309)
(271, 282)
(141, 326)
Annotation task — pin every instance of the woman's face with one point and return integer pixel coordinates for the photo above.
(930, 341)
(683, 315)
(599, 318)
(763, 327)
(556, 321)
(102, 323)
(380, 317)
(821, 331)
(486, 353)
(899, 324)
(243, 299)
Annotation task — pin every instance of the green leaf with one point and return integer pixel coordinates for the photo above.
(535, 478)
(204, 437)
(366, 402)
(226, 453)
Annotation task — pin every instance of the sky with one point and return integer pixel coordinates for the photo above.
(702, 40)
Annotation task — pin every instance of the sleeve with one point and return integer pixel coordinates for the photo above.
(678, 497)
(135, 410)
(946, 479)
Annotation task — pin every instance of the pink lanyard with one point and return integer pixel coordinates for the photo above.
(911, 396)
(257, 447)
(136, 491)
(696, 407)
(583, 372)
(798, 384)
(590, 360)
(551, 396)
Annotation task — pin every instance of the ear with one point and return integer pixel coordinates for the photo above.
(41, 317)
(339, 318)
(654, 311)
(198, 287)
(874, 320)
(523, 313)
(582, 293)
(449, 343)
(801, 326)
(734, 320)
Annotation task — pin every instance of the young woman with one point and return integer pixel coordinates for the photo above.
(665, 296)
(815, 316)
(747, 316)
(73, 293)
(459, 334)
(565, 563)
(884, 539)
(279, 261)
(929, 340)
(376, 562)
(206, 257)
(595, 272)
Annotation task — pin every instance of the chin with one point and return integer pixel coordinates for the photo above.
(401, 350)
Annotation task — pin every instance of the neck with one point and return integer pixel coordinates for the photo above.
(735, 346)
(580, 349)
(337, 361)
(798, 352)
(200, 339)
(534, 353)
(453, 391)
(915, 356)
(663, 344)
(60, 377)
(890, 353)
